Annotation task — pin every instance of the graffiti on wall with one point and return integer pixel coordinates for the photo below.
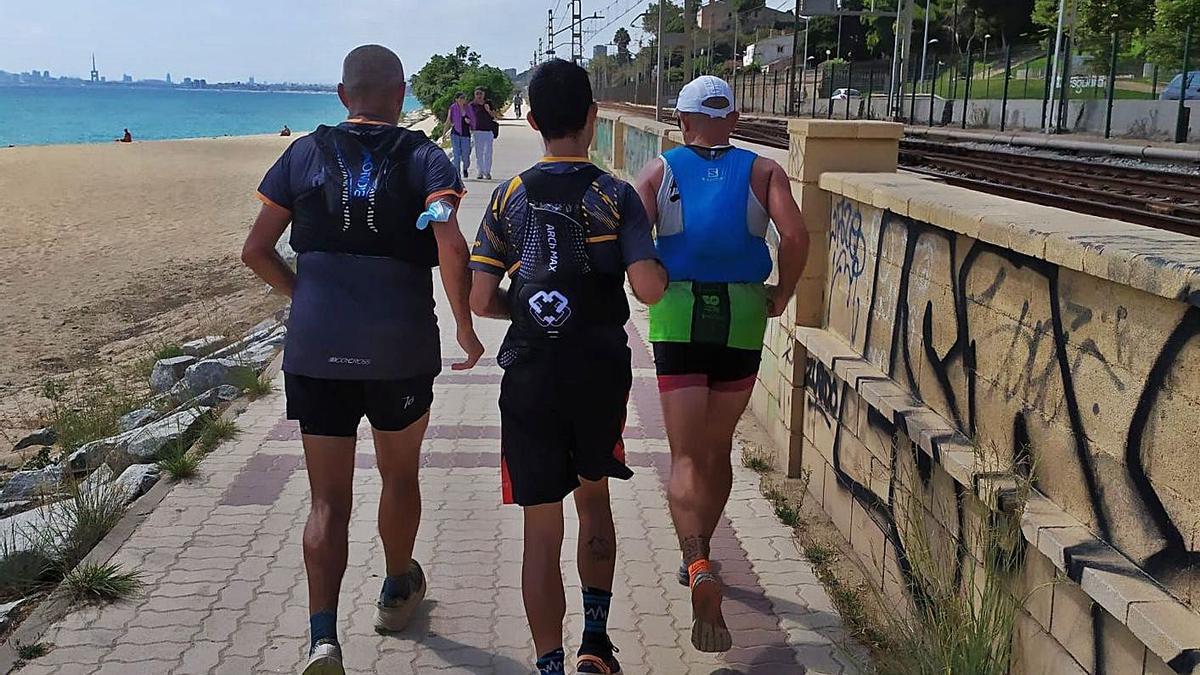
(640, 148)
(1032, 360)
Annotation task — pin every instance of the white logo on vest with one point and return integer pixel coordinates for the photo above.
(551, 309)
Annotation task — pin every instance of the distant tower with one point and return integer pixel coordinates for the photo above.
(95, 73)
(168, 78)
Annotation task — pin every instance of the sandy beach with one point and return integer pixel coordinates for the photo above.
(109, 250)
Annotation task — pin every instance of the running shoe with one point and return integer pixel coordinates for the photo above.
(392, 616)
(325, 659)
(683, 577)
(598, 659)
(466, 173)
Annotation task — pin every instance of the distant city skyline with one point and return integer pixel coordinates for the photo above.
(276, 41)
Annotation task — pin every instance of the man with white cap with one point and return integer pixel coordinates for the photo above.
(713, 204)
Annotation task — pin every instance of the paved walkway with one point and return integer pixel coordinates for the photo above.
(225, 580)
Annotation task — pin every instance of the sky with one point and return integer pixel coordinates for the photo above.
(271, 40)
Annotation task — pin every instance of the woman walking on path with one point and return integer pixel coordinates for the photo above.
(461, 120)
(485, 132)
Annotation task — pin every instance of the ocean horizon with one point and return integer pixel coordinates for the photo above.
(53, 115)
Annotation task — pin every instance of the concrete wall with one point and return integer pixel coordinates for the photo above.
(942, 342)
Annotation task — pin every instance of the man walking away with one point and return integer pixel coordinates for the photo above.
(363, 337)
(713, 204)
(518, 101)
(567, 234)
(461, 120)
(485, 132)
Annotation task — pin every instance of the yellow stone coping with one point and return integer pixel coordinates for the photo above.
(859, 129)
(1156, 618)
(1159, 262)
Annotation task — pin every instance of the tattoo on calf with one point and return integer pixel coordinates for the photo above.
(601, 549)
(694, 548)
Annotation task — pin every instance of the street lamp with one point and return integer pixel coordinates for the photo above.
(987, 68)
(657, 61)
(928, 44)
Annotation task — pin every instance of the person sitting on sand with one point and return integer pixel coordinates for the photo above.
(285, 131)
(127, 138)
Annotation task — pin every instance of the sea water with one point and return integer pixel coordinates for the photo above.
(36, 115)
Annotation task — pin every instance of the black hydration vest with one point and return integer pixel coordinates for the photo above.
(363, 304)
(557, 291)
(366, 205)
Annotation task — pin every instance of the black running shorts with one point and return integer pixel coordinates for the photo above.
(562, 413)
(688, 364)
(335, 407)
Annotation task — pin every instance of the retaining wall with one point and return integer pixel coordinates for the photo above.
(946, 348)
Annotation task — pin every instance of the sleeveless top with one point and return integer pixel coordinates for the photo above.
(712, 239)
(706, 231)
(363, 304)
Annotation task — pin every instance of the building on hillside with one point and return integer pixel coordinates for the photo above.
(769, 51)
(717, 16)
(600, 51)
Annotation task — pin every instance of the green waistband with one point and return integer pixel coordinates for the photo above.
(733, 315)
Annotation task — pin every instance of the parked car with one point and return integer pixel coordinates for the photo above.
(843, 94)
(1171, 93)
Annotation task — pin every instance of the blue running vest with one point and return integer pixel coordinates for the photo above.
(715, 245)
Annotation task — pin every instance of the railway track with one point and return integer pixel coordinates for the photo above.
(1155, 198)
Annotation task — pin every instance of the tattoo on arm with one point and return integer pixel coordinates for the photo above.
(601, 549)
(694, 548)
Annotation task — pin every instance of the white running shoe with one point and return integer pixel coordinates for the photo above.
(326, 659)
(393, 616)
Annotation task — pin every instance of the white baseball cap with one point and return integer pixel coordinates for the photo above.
(702, 90)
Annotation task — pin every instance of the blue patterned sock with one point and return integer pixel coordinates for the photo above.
(323, 626)
(595, 616)
(552, 663)
(396, 588)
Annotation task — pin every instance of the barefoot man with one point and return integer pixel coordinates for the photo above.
(567, 234)
(712, 205)
(363, 338)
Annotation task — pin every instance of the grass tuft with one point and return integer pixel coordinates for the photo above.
(254, 385)
(97, 584)
(168, 351)
(36, 650)
(181, 465)
(755, 459)
(73, 526)
(215, 431)
(819, 554)
(89, 410)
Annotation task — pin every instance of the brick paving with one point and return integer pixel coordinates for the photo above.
(223, 562)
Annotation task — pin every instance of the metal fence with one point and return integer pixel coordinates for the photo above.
(1009, 88)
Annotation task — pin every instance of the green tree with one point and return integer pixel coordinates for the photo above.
(1164, 42)
(460, 71)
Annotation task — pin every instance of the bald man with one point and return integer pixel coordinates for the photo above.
(363, 338)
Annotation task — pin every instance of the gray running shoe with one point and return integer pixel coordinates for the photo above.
(393, 616)
(325, 659)
(685, 579)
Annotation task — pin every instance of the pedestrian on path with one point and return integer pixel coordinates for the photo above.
(363, 338)
(486, 131)
(712, 205)
(518, 101)
(567, 234)
(461, 120)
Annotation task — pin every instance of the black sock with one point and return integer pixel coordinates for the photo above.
(553, 663)
(595, 617)
(323, 628)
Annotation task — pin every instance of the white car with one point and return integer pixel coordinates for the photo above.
(843, 94)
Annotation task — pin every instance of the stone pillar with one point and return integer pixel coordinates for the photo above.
(817, 147)
(618, 140)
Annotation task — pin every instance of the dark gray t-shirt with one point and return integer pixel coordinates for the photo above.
(360, 317)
